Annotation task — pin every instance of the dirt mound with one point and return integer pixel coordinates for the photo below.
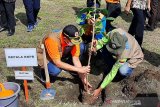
(148, 74)
(88, 99)
(140, 83)
(144, 83)
(130, 90)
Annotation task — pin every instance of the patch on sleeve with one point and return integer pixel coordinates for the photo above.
(127, 46)
(122, 60)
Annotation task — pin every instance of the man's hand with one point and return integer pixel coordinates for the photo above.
(149, 7)
(91, 21)
(86, 84)
(127, 9)
(84, 69)
(95, 42)
(94, 50)
(97, 92)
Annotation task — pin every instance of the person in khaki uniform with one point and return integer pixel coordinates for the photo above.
(122, 55)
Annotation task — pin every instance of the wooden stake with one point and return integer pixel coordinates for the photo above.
(48, 84)
(93, 33)
(25, 84)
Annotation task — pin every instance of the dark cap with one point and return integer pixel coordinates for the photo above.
(70, 30)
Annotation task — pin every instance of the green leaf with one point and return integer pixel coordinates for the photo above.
(103, 11)
(105, 39)
(78, 20)
(110, 18)
(98, 27)
(91, 9)
(81, 31)
(88, 16)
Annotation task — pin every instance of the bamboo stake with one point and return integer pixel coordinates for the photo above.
(93, 33)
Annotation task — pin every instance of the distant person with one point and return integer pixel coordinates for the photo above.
(7, 18)
(114, 10)
(32, 8)
(3, 24)
(63, 49)
(152, 21)
(137, 25)
(158, 16)
(113, 7)
(90, 3)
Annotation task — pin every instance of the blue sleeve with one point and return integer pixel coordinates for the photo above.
(82, 19)
(103, 29)
(103, 24)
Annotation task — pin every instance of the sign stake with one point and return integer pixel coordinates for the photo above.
(25, 84)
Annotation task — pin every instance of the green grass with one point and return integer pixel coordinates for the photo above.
(55, 15)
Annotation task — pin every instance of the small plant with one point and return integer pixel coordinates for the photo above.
(100, 24)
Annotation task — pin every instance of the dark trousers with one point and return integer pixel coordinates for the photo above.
(3, 20)
(114, 9)
(154, 13)
(90, 3)
(32, 8)
(7, 18)
(158, 14)
(108, 59)
(137, 25)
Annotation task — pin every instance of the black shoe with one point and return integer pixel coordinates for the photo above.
(155, 26)
(2, 29)
(149, 28)
(11, 32)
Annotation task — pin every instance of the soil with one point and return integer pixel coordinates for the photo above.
(143, 82)
(131, 85)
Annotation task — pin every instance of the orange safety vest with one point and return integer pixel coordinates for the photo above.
(113, 1)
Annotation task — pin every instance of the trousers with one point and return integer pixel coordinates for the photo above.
(32, 8)
(7, 18)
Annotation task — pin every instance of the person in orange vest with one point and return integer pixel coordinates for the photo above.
(63, 50)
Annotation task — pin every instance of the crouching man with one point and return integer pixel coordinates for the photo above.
(122, 54)
(63, 50)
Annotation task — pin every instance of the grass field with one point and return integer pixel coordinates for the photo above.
(55, 15)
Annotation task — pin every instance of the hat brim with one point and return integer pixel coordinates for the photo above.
(76, 41)
(115, 51)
